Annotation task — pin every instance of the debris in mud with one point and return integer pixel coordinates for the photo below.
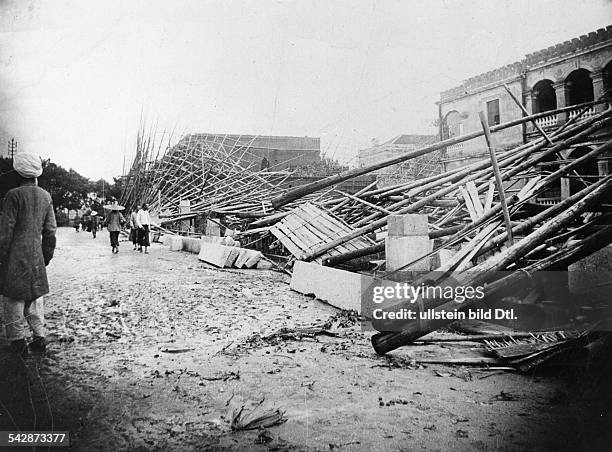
(505, 397)
(251, 415)
(333, 446)
(224, 377)
(392, 402)
(177, 350)
(397, 362)
(346, 318)
(264, 437)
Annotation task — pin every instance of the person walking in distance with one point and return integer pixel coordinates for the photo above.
(94, 223)
(27, 243)
(114, 220)
(134, 226)
(143, 222)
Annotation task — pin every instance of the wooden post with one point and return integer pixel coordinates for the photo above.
(498, 179)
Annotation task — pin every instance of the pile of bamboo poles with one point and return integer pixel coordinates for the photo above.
(213, 173)
(452, 200)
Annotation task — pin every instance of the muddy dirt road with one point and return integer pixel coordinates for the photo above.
(148, 349)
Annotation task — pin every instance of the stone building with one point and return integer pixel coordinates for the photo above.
(412, 169)
(278, 153)
(569, 73)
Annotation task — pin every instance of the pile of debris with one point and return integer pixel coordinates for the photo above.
(482, 217)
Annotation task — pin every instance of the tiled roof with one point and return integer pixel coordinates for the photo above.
(260, 141)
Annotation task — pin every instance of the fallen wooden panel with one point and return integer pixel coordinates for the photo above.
(339, 288)
(307, 227)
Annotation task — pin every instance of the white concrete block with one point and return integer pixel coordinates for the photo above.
(167, 240)
(212, 239)
(407, 225)
(176, 243)
(232, 256)
(400, 251)
(254, 260)
(191, 245)
(216, 255)
(339, 288)
(264, 265)
(243, 256)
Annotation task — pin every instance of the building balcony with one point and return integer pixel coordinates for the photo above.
(548, 201)
(547, 121)
(456, 148)
(587, 114)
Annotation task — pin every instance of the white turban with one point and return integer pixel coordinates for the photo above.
(27, 165)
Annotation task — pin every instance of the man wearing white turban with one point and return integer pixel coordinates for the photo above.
(27, 243)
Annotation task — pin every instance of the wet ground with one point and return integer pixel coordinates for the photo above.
(150, 352)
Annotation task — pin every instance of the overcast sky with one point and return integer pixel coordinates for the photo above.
(76, 75)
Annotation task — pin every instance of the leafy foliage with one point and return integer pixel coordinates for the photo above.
(327, 166)
(68, 188)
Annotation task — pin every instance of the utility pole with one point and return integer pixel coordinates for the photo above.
(12, 148)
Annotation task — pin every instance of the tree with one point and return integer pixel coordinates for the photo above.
(68, 188)
(326, 166)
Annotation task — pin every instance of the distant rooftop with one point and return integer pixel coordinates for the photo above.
(259, 141)
(417, 140)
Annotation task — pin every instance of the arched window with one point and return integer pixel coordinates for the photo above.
(544, 97)
(452, 125)
(580, 87)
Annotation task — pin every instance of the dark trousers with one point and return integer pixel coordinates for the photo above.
(143, 235)
(114, 238)
(134, 236)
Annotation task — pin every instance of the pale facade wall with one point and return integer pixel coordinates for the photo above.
(469, 106)
(592, 52)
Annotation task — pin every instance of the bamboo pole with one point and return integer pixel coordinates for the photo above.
(479, 274)
(298, 192)
(495, 166)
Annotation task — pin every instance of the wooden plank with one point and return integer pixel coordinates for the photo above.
(471, 189)
(295, 238)
(286, 241)
(489, 199)
(298, 227)
(327, 232)
(468, 203)
(336, 224)
(326, 225)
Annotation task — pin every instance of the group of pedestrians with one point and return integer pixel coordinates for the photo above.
(140, 223)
